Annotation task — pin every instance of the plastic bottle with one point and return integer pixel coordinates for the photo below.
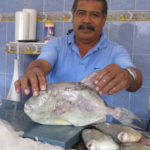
(48, 31)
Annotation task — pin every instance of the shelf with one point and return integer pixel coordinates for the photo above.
(24, 47)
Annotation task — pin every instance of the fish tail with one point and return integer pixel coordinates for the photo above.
(125, 116)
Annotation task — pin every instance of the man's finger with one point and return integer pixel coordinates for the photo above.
(17, 85)
(42, 81)
(24, 84)
(34, 84)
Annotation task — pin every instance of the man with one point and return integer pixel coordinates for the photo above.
(86, 50)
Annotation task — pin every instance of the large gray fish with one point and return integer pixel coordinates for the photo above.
(145, 141)
(96, 140)
(120, 132)
(134, 146)
(70, 103)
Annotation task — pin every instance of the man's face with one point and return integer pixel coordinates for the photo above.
(88, 20)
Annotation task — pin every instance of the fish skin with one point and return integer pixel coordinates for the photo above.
(134, 146)
(96, 140)
(145, 141)
(119, 132)
(73, 103)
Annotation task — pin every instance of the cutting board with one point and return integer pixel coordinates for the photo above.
(65, 136)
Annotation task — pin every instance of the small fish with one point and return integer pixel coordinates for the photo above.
(134, 146)
(73, 103)
(96, 140)
(119, 132)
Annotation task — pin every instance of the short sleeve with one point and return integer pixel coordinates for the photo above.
(121, 57)
(49, 52)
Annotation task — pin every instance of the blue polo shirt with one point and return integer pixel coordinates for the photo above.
(67, 64)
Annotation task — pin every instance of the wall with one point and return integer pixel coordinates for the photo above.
(134, 35)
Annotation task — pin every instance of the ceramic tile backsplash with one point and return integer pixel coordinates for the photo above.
(38, 4)
(15, 5)
(141, 37)
(3, 6)
(53, 5)
(122, 4)
(119, 32)
(2, 33)
(2, 85)
(3, 61)
(143, 65)
(133, 35)
(143, 4)
(139, 102)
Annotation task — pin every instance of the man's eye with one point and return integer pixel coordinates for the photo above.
(95, 15)
(80, 13)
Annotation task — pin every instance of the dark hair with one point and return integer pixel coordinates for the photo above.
(104, 11)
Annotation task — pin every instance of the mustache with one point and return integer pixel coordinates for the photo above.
(86, 26)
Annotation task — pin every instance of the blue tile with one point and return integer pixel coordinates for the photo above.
(143, 4)
(40, 31)
(121, 99)
(38, 5)
(54, 5)
(2, 86)
(139, 102)
(123, 4)
(3, 34)
(122, 33)
(67, 26)
(59, 26)
(68, 5)
(10, 31)
(3, 61)
(10, 63)
(16, 5)
(106, 29)
(3, 6)
(144, 67)
(109, 4)
(142, 36)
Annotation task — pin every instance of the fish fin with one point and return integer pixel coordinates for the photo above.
(89, 80)
(126, 117)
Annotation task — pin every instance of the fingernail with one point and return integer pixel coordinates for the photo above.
(26, 91)
(97, 88)
(35, 93)
(96, 82)
(100, 92)
(43, 87)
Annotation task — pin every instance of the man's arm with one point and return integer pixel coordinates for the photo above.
(113, 78)
(34, 76)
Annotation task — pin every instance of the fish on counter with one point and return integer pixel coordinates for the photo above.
(70, 103)
(145, 141)
(119, 132)
(96, 140)
(134, 146)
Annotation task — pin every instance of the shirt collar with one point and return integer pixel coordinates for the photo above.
(99, 46)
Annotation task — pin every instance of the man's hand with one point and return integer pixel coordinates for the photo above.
(112, 79)
(35, 76)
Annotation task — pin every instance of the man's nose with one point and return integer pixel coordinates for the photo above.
(87, 18)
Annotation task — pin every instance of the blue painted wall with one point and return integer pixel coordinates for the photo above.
(134, 35)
